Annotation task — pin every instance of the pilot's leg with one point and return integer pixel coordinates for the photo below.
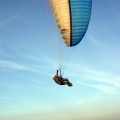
(69, 84)
(65, 81)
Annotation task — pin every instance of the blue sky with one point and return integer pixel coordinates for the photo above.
(28, 63)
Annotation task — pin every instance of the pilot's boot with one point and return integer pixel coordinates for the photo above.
(70, 84)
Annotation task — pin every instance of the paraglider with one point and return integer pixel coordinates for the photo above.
(60, 80)
(72, 18)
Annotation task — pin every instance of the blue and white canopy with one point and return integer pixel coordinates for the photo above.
(72, 17)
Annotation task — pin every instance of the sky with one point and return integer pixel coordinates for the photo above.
(28, 63)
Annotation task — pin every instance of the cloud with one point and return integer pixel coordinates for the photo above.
(101, 87)
(1, 51)
(95, 75)
(15, 66)
(101, 80)
(103, 77)
(41, 69)
(94, 41)
(14, 106)
(6, 98)
(12, 65)
(2, 23)
(37, 68)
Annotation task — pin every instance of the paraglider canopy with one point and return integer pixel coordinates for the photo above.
(72, 17)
